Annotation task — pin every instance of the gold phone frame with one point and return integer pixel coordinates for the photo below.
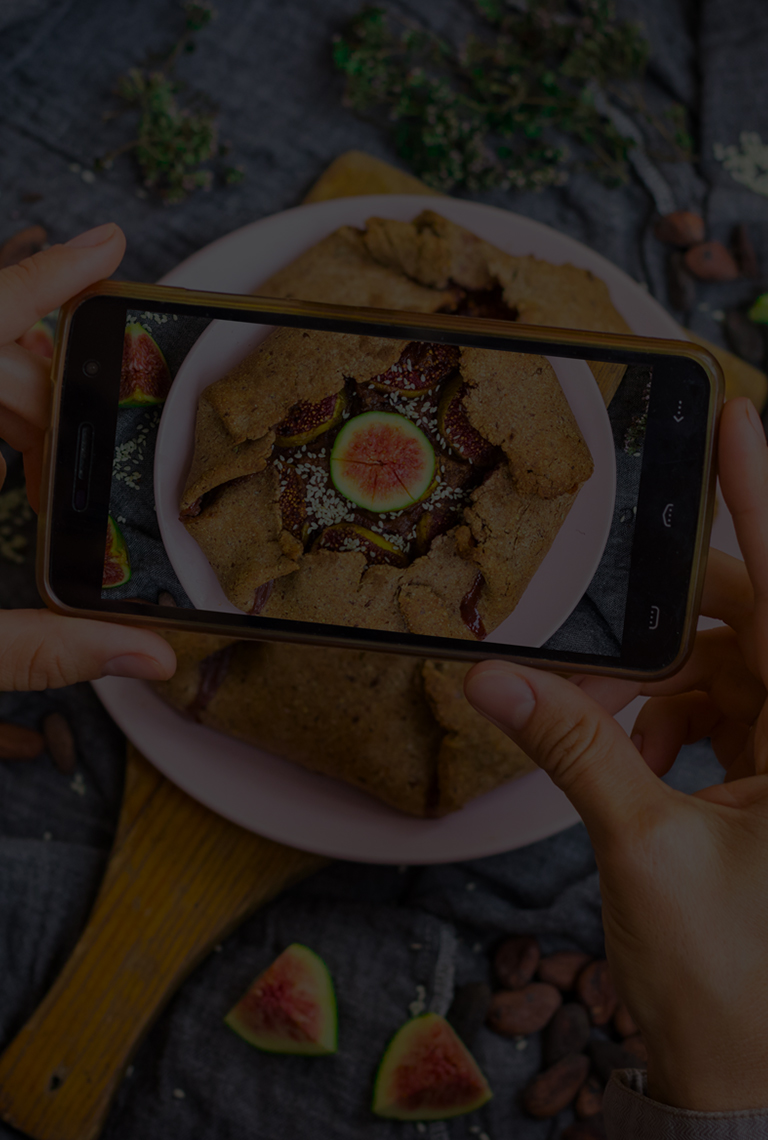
(416, 322)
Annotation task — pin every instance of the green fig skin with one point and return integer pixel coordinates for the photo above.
(115, 555)
(277, 989)
(361, 447)
(132, 395)
(430, 1042)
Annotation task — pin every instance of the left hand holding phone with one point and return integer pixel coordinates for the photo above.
(38, 649)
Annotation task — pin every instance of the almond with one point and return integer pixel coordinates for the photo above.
(563, 968)
(527, 1010)
(555, 1088)
(515, 962)
(19, 743)
(595, 988)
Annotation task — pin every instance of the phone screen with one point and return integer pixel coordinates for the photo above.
(437, 493)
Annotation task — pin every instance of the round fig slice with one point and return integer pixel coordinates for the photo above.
(144, 375)
(421, 367)
(306, 421)
(427, 1073)
(291, 1007)
(382, 462)
(377, 549)
(456, 429)
(117, 564)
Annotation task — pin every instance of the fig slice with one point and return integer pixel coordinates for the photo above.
(293, 503)
(306, 421)
(427, 1073)
(377, 549)
(291, 1007)
(421, 367)
(144, 375)
(456, 429)
(382, 462)
(117, 564)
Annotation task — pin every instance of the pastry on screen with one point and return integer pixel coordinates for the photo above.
(387, 484)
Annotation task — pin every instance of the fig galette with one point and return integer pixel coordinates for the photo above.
(380, 483)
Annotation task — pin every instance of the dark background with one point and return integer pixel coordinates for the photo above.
(267, 65)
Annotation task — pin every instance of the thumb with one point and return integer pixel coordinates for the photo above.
(572, 738)
(41, 650)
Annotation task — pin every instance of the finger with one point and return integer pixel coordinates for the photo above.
(743, 469)
(42, 650)
(568, 734)
(610, 692)
(665, 724)
(46, 280)
(738, 794)
(25, 384)
(731, 744)
(717, 667)
(728, 595)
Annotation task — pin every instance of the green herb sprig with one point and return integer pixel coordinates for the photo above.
(497, 110)
(173, 141)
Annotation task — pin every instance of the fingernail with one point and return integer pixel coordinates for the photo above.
(99, 235)
(504, 697)
(134, 665)
(637, 740)
(754, 419)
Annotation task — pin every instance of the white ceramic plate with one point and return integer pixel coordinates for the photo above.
(554, 590)
(271, 796)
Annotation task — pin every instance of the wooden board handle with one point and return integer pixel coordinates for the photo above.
(179, 880)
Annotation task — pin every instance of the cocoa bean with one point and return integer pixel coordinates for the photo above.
(60, 742)
(593, 1129)
(623, 1022)
(528, 1010)
(636, 1046)
(711, 261)
(744, 252)
(595, 988)
(19, 743)
(469, 1010)
(744, 337)
(589, 1102)
(515, 962)
(681, 285)
(607, 1056)
(681, 227)
(567, 1032)
(165, 598)
(22, 244)
(554, 1089)
(563, 968)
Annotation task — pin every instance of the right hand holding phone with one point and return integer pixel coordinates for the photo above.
(41, 650)
(682, 877)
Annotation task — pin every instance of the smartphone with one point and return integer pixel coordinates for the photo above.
(436, 484)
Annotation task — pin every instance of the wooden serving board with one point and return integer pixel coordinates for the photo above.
(179, 879)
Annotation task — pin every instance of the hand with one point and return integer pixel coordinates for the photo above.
(41, 650)
(683, 878)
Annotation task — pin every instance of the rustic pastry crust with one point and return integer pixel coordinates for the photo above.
(513, 400)
(393, 726)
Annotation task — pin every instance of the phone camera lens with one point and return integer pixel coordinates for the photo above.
(91, 367)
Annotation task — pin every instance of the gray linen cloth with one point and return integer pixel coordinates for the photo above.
(383, 931)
